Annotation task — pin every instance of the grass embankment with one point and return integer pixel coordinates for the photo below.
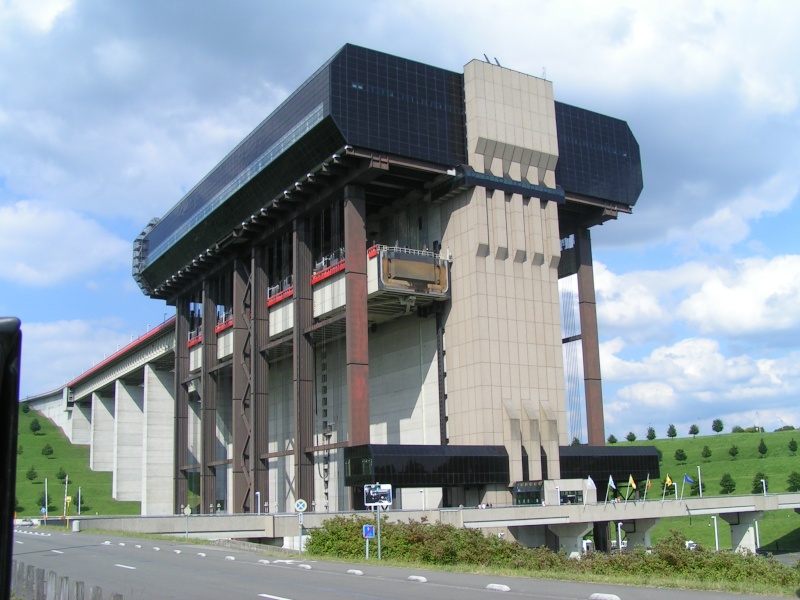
(779, 531)
(670, 564)
(95, 487)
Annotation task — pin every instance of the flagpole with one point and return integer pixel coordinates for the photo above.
(699, 481)
(683, 485)
(646, 485)
(675, 483)
(664, 495)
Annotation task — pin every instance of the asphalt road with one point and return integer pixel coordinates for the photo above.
(148, 569)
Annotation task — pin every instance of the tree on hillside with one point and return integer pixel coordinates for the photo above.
(31, 474)
(47, 450)
(717, 426)
(651, 433)
(733, 451)
(762, 448)
(62, 474)
(706, 453)
(727, 484)
(40, 501)
(631, 437)
(758, 486)
(792, 446)
(695, 490)
(671, 431)
(612, 439)
(793, 483)
(737, 429)
(35, 426)
(19, 448)
(25, 408)
(680, 455)
(694, 430)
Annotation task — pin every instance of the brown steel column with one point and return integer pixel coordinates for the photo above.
(181, 454)
(241, 397)
(355, 245)
(303, 361)
(259, 368)
(595, 425)
(208, 413)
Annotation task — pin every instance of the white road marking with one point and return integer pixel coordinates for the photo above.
(417, 578)
(125, 567)
(201, 554)
(56, 551)
(230, 558)
(17, 541)
(354, 572)
(498, 587)
(273, 597)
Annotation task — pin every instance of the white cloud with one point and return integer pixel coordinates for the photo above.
(751, 297)
(39, 16)
(58, 351)
(45, 246)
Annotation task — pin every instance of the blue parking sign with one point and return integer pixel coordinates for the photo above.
(368, 532)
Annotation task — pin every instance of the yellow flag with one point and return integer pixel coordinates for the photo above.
(631, 482)
(668, 481)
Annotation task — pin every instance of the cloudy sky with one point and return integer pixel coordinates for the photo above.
(111, 111)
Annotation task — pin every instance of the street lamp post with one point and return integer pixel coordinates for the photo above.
(558, 495)
(258, 502)
(716, 533)
(764, 485)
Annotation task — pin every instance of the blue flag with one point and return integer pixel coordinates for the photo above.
(687, 479)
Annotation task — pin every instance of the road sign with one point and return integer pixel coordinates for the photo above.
(378, 494)
(368, 532)
(301, 505)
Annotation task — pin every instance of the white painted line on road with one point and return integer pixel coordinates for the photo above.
(263, 561)
(603, 597)
(498, 587)
(125, 567)
(417, 578)
(138, 546)
(122, 543)
(201, 554)
(304, 566)
(354, 572)
(273, 597)
(18, 542)
(106, 543)
(156, 548)
(56, 551)
(230, 558)
(177, 551)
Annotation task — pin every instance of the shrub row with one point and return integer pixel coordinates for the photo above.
(438, 544)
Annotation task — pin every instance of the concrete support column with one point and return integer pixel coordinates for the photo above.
(259, 369)
(101, 452)
(208, 381)
(638, 532)
(158, 463)
(570, 537)
(303, 361)
(242, 389)
(355, 242)
(181, 415)
(743, 533)
(590, 344)
(128, 441)
(82, 423)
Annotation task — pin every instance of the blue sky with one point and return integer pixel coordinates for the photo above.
(110, 111)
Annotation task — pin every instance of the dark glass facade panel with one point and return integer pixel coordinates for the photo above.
(399, 106)
(271, 137)
(598, 156)
(580, 462)
(425, 466)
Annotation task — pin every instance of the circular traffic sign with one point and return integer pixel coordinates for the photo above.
(301, 505)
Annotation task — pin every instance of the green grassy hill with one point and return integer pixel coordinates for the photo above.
(779, 530)
(95, 487)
